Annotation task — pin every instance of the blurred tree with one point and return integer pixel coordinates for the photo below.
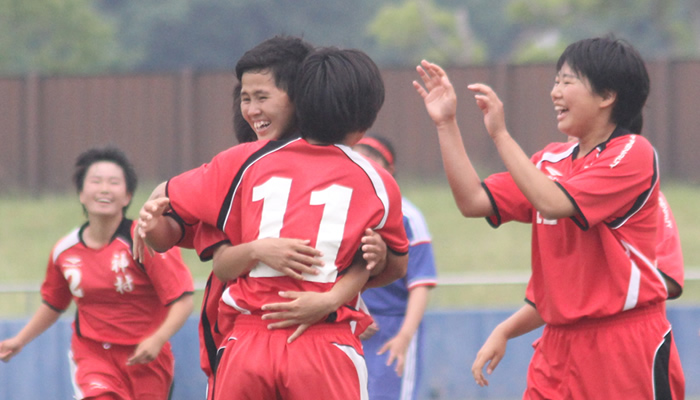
(67, 37)
(213, 34)
(658, 28)
(407, 32)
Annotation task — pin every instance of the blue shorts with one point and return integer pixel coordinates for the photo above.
(383, 381)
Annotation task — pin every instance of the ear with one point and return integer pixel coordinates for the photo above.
(609, 97)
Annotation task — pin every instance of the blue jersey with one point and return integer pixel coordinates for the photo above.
(393, 298)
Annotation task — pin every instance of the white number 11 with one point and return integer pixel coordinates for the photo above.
(336, 201)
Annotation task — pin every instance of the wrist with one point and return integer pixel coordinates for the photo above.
(446, 124)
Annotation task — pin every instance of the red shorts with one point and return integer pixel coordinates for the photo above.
(326, 362)
(99, 368)
(627, 356)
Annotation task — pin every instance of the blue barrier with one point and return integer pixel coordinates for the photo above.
(452, 339)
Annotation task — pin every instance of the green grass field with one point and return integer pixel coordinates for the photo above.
(32, 225)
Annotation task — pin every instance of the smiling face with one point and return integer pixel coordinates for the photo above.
(578, 108)
(104, 190)
(264, 106)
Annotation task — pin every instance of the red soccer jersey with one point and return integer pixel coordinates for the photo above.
(668, 249)
(602, 260)
(327, 194)
(118, 300)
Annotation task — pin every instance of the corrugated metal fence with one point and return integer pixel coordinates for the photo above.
(172, 122)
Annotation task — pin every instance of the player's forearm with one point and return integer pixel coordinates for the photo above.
(349, 285)
(230, 262)
(395, 269)
(525, 320)
(542, 192)
(469, 195)
(42, 320)
(166, 234)
(178, 312)
(415, 309)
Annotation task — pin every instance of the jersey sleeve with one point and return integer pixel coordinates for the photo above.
(616, 185)
(198, 194)
(393, 231)
(421, 270)
(668, 250)
(206, 239)
(169, 275)
(508, 202)
(55, 290)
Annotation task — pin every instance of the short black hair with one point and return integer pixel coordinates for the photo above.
(339, 92)
(612, 65)
(281, 55)
(107, 153)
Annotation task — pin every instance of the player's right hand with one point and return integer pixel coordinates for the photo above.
(9, 348)
(491, 352)
(291, 257)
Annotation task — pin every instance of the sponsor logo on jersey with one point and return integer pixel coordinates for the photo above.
(628, 146)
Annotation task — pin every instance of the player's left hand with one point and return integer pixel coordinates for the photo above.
(370, 331)
(374, 251)
(397, 347)
(305, 309)
(146, 351)
(9, 348)
(492, 107)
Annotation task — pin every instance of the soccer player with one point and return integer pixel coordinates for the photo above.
(330, 201)
(264, 109)
(398, 308)
(126, 311)
(593, 209)
(670, 263)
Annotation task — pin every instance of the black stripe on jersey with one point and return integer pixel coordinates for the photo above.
(124, 233)
(209, 343)
(578, 217)
(662, 384)
(76, 324)
(271, 146)
(494, 207)
(208, 253)
(641, 199)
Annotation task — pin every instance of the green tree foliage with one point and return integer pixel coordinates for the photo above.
(658, 28)
(57, 36)
(213, 34)
(408, 32)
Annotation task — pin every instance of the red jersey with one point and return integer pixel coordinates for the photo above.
(668, 248)
(602, 260)
(118, 300)
(327, 194)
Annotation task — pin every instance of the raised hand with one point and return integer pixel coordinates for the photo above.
(438, 94)
(491, 106)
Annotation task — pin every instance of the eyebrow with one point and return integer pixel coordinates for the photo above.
(567, 76)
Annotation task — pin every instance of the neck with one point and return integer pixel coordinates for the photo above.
(100, 230)
(595, 137)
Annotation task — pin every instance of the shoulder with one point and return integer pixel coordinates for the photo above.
(65, 243)
(628, 147)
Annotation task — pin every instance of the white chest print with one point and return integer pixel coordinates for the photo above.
(120, 262)
(123, 282)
